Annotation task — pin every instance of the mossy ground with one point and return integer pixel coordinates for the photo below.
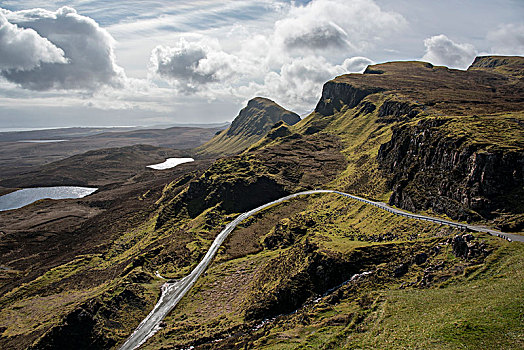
(32, 309)
(483, 310)
(214, 309)
(381, 312)
(361, 137)
(223, 144)
(473, 304)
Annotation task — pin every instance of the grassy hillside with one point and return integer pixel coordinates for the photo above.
(324, 271)
(445, 302)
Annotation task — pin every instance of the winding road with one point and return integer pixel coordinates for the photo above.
(173, 291)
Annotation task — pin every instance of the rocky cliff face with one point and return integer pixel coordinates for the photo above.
(507, 65)
(428, 169)
(468, 166)
(335, 95)
(391, 111)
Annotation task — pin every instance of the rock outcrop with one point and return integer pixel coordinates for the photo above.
(336, 94)
(466, 247)
(507, 65)
(259, 116)
(252, 124)
(392, 111)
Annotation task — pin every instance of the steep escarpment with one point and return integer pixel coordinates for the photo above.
(252, 123)
(466, 163)
(434, 89)
(504, 64)
(322, 270)
(401, 91)
(337, 94)
(430, 167)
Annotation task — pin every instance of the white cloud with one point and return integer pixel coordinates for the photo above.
(507, 39)
(201, 65)
(317, 36)
(347, 25)
(298, 84)
(24, 49)
(440, 50)
(190, 65)
(87, 48)
(356, 64)
(287, 61)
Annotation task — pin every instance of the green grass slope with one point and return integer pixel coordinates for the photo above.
(321, 272)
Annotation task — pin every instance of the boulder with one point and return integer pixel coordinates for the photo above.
(421, 258)
(401, 270)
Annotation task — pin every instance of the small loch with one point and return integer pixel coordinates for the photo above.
(26, 196)
(42, 141)
(170, 163)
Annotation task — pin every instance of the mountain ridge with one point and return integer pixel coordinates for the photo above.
(252, 123)
(335, 266)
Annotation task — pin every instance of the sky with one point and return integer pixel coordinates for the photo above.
(152, 62)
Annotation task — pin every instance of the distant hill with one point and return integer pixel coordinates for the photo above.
(252, 123)
(14, 135)
(57, 134)
(19, 157)
(97, 167)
